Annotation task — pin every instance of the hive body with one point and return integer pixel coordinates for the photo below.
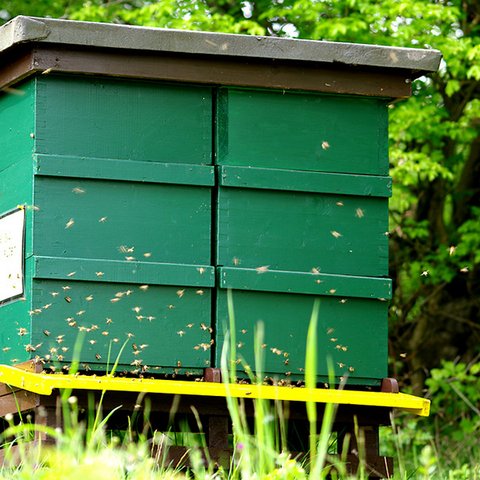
(147, 199)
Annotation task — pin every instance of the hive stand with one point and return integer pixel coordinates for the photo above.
(358, 417)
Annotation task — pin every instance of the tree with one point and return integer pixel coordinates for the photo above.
(435, 144)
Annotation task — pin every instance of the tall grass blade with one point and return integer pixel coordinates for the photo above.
(311, 376)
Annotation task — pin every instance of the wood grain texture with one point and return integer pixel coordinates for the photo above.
(165, 327)
(353, 334)
(16, 146)
(300, 231)
(305, 282)
(117, 271)
(210, 71)
(111, 220)
(125, 170)
(338, 134)
(301, 181)
(107, 118)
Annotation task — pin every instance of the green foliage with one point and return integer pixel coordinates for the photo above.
(446, 444)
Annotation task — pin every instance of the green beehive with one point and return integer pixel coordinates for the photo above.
(145, 172)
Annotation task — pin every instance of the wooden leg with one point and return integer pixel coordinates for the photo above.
(364, 449)
(217, 440)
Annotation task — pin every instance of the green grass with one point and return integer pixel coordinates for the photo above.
(85, 450)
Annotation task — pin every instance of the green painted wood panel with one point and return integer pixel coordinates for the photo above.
(125, 170)
(302, 131)
(306, 283)
(96, 219)
(166, 326)
(16, 147)
(300, 231)
(121, 119)
(351, 331)
(301, 181)
(152, 273)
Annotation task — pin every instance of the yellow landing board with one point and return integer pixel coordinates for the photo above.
(44, 384)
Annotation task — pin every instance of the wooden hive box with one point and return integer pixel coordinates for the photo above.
(144, 172)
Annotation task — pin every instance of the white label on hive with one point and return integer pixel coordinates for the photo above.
(12, 227)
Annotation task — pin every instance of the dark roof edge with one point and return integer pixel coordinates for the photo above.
(24, 29)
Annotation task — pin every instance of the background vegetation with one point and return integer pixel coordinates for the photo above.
(435, 164)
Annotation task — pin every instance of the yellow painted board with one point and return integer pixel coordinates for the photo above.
(44, 384)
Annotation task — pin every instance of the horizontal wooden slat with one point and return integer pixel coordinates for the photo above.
(306, 283)
(44, 384)
(123, 271)
(208, 70)
(127, 170)
(18, 401)
(304, 181)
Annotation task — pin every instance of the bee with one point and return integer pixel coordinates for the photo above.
(143, 287)
(70, 223)
(89, 298)
(180, 293)
(336, 234)
(262, 269)
(201, 270)
(99, 274)
(359, 213)
(199, 292)
(78, 190)
(71, 274)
